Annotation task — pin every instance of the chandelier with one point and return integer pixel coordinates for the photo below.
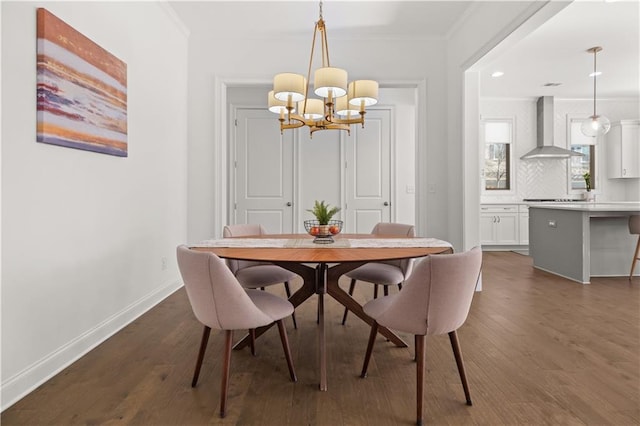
(341, 105)
(595, 125)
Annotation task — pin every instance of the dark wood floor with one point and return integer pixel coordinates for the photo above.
(539, 350)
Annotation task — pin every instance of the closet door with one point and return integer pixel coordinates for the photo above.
(368, 172)
(263, 171)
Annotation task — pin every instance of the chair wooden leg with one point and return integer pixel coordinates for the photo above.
(352, 288)
(203, 348)
(399, 286)
(386, 290)
(372, 340)
(635, 258)
(228, 345)
(375, 291)
(419, 377)
(293, 315)
(252, 343)
(287, 350)
(455, 345)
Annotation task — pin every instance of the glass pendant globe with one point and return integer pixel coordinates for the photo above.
(596, 125)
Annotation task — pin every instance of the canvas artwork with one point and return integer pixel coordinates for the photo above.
(82, 90)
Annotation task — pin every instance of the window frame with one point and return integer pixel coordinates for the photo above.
(594, 154)
(511, 179)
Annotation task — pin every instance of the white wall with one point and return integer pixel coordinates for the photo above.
(482, 29)
(84, 234)
(548, 178)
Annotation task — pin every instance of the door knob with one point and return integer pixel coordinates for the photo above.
(386, 203)
(289, 204)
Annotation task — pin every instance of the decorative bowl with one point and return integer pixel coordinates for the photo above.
(323, 233)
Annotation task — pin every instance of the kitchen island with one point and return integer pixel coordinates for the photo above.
(582, 240)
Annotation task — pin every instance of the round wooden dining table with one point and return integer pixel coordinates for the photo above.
(320, 266)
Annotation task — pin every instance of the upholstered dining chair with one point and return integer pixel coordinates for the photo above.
(634, 229)
(257, 274)
(384, 273)
(219, 301)
(435, 300)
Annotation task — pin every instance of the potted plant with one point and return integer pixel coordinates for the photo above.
(323, 226)
(587, 182)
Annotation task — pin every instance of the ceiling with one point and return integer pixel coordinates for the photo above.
(555, 52)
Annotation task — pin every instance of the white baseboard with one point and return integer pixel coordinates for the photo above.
(25, 382)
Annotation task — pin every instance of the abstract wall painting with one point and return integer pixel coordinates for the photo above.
(82, 90)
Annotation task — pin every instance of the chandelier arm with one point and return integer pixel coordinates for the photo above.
(306, 89)
(325, 47)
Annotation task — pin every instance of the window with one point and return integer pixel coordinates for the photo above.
(584, 145)
(497, 154)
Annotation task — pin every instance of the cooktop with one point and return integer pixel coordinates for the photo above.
(550, 200)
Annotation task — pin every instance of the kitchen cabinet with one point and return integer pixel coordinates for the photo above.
(499, 224)
(523, 222)
(623, 149)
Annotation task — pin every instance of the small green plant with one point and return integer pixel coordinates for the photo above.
(587, 180)
(322, 212)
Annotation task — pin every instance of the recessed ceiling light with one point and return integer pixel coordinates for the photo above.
(593, 74)
(497, 74)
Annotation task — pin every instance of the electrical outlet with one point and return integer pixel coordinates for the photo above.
(163, 263)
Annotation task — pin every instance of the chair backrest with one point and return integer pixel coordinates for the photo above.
(400, 229)
(437, 297)
(242, 230)
(634, 224)
(217, 298)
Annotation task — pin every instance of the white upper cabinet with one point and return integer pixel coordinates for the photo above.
(623, 149)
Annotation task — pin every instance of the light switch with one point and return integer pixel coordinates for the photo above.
(553, 224)
(411, 189)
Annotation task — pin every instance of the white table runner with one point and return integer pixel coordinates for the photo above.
(308, 243)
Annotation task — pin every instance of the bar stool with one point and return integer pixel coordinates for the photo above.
(634, 229)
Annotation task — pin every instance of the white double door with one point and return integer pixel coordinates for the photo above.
(276, 178)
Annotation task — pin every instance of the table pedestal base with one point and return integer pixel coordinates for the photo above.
(322, 280)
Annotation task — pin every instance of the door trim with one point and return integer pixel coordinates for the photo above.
(221, 142)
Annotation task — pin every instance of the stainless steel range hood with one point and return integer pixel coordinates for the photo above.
(545, 148)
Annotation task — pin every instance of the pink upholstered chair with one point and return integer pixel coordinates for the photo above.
(435, 300)
(384, 273)
(257, 274)
(219, 301)
(634, 229)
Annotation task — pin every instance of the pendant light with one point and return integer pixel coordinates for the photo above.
(595, 125)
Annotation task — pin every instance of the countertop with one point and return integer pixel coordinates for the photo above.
(612, 206)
